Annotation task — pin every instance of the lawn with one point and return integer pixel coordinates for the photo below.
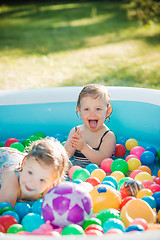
(69, 44)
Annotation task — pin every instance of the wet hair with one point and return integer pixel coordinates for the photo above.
(94, 91)
(50, 151)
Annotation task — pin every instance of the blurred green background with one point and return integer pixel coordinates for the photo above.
(69, 43)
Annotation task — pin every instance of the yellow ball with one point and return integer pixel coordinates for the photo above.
(143, 176)
(133, 164)
(104, 197)
(144, 192)
(130, 143)
(118, 175)
(98, 173)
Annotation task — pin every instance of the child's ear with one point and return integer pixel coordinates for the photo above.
(23, 162)
(78, 110)
(109, 111)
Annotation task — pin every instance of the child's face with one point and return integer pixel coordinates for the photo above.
(93, 112)
(35, 177)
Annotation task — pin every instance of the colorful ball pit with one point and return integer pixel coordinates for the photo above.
(61, 101)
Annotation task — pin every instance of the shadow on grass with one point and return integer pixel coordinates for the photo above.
(48, 28)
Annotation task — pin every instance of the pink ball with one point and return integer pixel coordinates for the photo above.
(130, 156)
(119, 150)
(147, 183)
(106, 164)
(72, 170)
(10, 141)
(134, 173)
(140, 221)
(154, 187)
(138, 150)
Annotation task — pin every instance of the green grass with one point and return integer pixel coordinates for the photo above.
(76, 43)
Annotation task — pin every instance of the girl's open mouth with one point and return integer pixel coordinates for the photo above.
(29, 189)
(93, 123)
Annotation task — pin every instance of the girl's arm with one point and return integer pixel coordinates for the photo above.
(68, 146)
(106, 149)
(10, 188)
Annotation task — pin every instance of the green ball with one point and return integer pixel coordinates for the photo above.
(5, 209)
(15, 228)
(123, 180)
(40, 135)
(106, 214)
(17, 145)
(0, 144)
(73, 229)
(158, 154)
(63, 143)
(91, 221)
(119, 165)
(81, 174)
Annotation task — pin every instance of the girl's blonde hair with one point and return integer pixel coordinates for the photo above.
(51, 152)
(95, 91)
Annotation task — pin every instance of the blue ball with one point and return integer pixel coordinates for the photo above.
(113, 223)
(90, 167)
(151, 149)
(32, 221)
(12, 213)
(151, 201)
(77, 181)
(5, 204)
(37, 206)
(22, 208)
(147, 157)
(156, 196)
(109, 183)
(111, 179)
(137, 227)
(60, 137)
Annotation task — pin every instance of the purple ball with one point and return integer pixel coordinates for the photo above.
(65, 204)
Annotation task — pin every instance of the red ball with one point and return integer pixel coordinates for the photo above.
(120, 150)
(95, 227)
(94, 181)
(106, 165)
(94, 232)
(2, 230)
(154, 187)
(6, 221)
(125, 200)
(10, 141)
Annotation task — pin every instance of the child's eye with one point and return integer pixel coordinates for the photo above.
(98, 109)
(86, 109)
(42, 180)
(29, 172)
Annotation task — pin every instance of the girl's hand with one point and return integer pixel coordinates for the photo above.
(77, 140)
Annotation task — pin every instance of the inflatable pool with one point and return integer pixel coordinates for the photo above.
(136, 114)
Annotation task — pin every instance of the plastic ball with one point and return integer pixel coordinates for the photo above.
(105, 214)
(144, 192)
(93, 180)
(15, 228)
(93, 232)
(143, 176)
(125, 200)
(140, 221)
(135, 172)
(159, 173)
(10, 141)
(138, 150)
(40, 135)
(72, 170)
(1, 144)
(22, 208)
(37, 206)
(134, 228)
(72, 229)
(59, 137)
(154, 187)
(109, 183)
(113, 223)
(86, 186)
(151, 149)
(90, 167)
(111, 179)
(156, 196)
(12, 213)
(6, 221)
(65, 204)
(104, 196)
(130, 188)
(119, 165)
(122, 181)
(158, 154)
(99, 173)
(81, 174)
(2, 230)
(118, 175)
(133, 164)
(130, 143)
(130, 156)
(114, 231)
(94, 227)
(5, 209)
(91, 221)
(17, 145)
(106, 165)
(150, 200)
(147, 157)
(147, 183)
(77, 181)
(32, 221)
(119, 150)
(145, 169)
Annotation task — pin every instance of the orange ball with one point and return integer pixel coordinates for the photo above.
(145, 169)
(98, 173)
(159, 173)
